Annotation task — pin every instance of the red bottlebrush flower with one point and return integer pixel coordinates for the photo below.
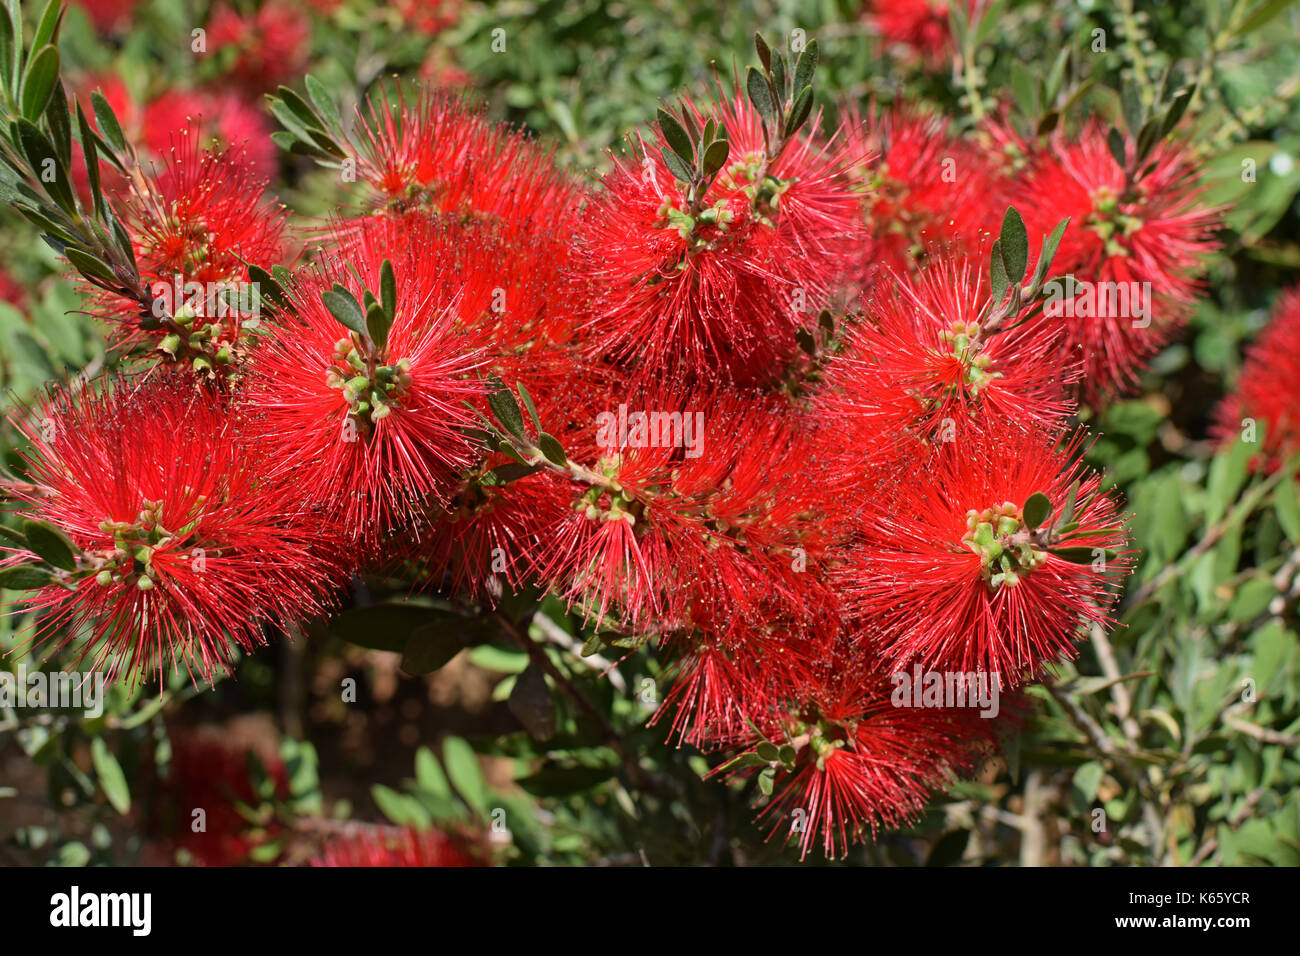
(376, 846)
(947, 570)
(193, 229)
(443, 157)
(429, 17)
(10, 290)
(1267, 396)
(207, 773)
(849, 760)
(211, 119)
(715, 288)
(372, 433)
(922, 190)
(918, 368)
(108, 16)
(266, 48)
(186, 549)
(917, 29)
(688, 514)
(1139, 249)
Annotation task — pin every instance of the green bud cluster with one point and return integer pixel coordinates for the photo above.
(990, 534)
(1110, 222)
(370, 400)
(593, 503)
(959, 339)
(130, 560)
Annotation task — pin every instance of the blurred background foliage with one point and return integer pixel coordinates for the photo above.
(1173, 742)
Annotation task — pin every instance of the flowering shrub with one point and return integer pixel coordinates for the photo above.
(803, 407)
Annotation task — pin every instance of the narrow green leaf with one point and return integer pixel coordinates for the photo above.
(997, 272)
(388, 289)
(465, 773)
(764, 51)
(430, 647)
(51, 544)
(26, 577)
(38, 83)
(343, 305)
(1115, 143)
(675, 136)
(805, 67)
(715, 157)
(109, 127)
(760, 96)
(531, 702)
(552, 449)
(679, 169)
(110, 775)
(505, 408)
(1048, 252)
(801, 110)
(1015, 245)
(528, 404)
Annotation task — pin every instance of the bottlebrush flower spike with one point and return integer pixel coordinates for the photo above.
(379, 846)
(918, 30)
(367, 419)
(207, 772)
(919, 368)
(711, 279)
(441, 156)
(194, 223)
(922, 189)
(674, 521)
(180, 551)
(994, 558)
(842, 760)
(262, 49)
(1267, 396)
(1146, 239)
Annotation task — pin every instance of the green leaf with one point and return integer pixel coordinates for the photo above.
(530, 700)
(760, 96)
(40, 154)
(558, 781)
(107, 122)
(675, 135)
(92, 267)
(552, 449)
(429, 775)
(15, 537)
(51, 544)
(343, 305)
(764, 51)
(528, 404)
(677, 166)
(324, 101)
(430, 646)
(997, 273)
(39, 81)
(1048, 252)
(1288, 509)
(47, 27)
(1080, 555)
(389, 627)
(766, 780)
(1177, 107)
(768, 751)
(388, 289)
(715, 157)
(111, 777)
(378, 323)
(802, 109)
(466, 774)
(805, 67)
(1015, 245)
(26, 577)
(505, 408)
(1036, 509)
(1115, 143)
